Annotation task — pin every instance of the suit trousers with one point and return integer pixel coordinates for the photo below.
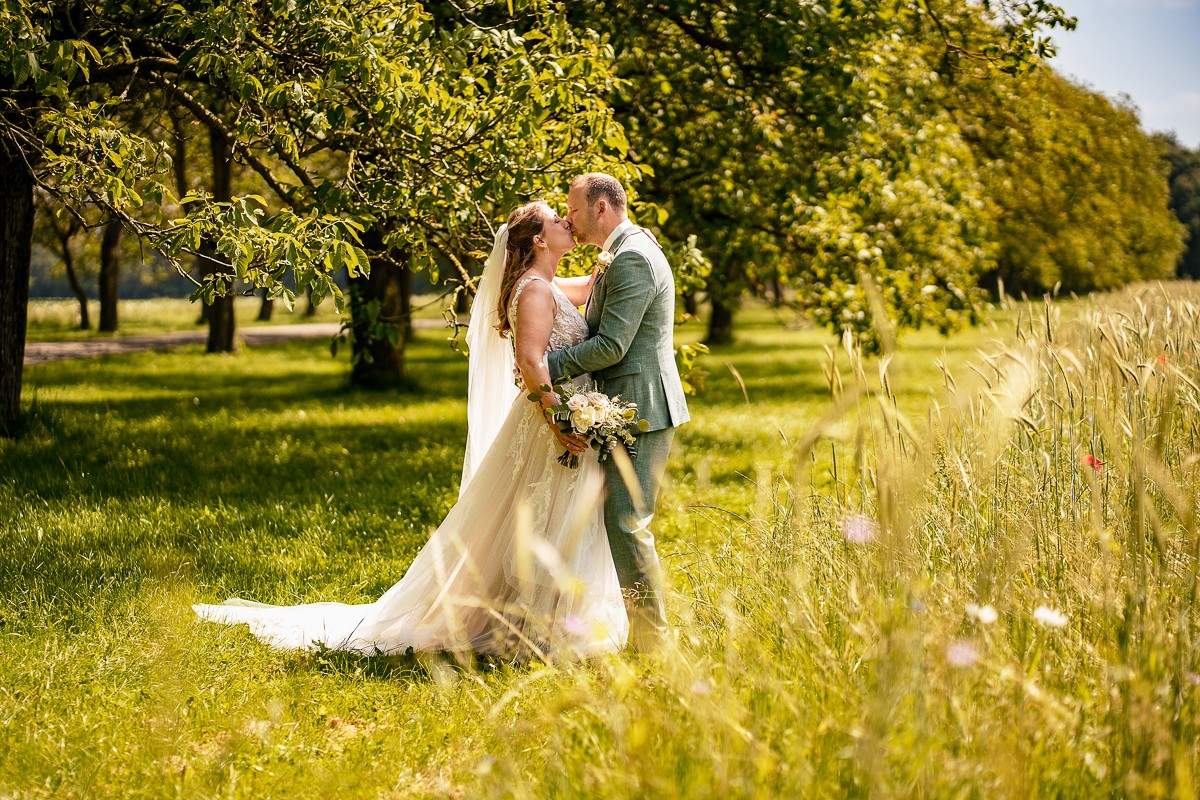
(631, 540)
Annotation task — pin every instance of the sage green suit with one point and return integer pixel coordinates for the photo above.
(631, 353)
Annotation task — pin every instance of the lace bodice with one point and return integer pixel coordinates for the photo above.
(570, 328)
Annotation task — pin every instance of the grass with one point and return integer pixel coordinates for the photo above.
(807, 665)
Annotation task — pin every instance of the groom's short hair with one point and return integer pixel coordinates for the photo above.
(596, 185)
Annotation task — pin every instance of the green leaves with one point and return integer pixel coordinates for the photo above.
(1075, 187)
(391, 129)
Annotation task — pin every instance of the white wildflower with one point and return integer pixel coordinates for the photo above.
(984, 615)
(1049, 617)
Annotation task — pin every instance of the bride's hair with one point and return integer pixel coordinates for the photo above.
(524, 223)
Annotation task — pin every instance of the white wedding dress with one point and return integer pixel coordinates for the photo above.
(520, 567)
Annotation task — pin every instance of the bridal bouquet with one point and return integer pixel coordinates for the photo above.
(604, 421)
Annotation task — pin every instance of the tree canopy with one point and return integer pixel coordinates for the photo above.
(1184, 179)
(783, 134)
(377, 129)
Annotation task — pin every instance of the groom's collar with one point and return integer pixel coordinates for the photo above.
(618, 233)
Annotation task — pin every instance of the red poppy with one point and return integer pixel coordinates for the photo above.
(1162, 359)
(1090, 460)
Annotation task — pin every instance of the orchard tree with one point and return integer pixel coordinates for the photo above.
(1078, 191)
(1185, 198)
(375, 122)
(65, 235)
(743, 111)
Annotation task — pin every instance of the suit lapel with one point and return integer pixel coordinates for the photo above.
(596, 296)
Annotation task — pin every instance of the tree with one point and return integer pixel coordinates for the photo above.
(1077, 190)
(380, 114)
(1184, 179)
(59, 232)
(741, 110)
(16, 223)
(110, 272)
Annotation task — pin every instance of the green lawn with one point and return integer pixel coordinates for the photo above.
(806, 665)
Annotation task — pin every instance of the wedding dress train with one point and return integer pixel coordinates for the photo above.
(519, 567)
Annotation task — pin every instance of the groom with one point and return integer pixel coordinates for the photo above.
(631, 316)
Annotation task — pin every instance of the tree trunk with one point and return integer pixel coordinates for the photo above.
(264, 310)
(16, 237)
(380, 336)
(220, 313)
(691, 305)
(77, 289)
(776, 291)
(309, 310)
(110, 273)
(179, 162)
(720, 324)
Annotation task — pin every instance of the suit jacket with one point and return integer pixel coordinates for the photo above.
(631, 317)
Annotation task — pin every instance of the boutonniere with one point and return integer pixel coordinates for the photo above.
(603, 260)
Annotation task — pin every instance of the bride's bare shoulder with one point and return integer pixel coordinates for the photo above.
(534, 294)
(533, 309)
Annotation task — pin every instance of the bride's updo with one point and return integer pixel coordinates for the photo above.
(524, 223)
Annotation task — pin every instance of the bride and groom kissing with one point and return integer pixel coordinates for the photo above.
(536, 559)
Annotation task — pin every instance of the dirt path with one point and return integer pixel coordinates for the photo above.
(43, 352)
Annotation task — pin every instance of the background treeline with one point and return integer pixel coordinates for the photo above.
(912, 147)
(877, 166)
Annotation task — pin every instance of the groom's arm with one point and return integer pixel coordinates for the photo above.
(629, 290)
(576, 289)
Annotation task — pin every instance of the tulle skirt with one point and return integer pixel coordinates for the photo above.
(519, 568)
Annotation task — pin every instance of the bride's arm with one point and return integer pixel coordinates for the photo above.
(576, 289)
(535, 320)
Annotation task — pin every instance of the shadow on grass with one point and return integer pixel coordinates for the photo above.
(163, 426)
(417, 668)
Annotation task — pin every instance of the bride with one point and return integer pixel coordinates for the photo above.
(521, 566)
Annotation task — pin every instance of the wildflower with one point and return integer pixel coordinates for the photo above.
(1162, 359)
(1089, 460)
(1193, 679)
(701, 686)
(1049, 617)
(984, 615)
(858, 529)
(574, 625)
(961, 653)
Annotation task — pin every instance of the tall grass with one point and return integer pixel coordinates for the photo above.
(999, 602)
(837, 545)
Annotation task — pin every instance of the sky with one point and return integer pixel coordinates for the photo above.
(1147, 49)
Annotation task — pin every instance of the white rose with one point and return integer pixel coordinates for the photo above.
(583, 419)
(578, 402)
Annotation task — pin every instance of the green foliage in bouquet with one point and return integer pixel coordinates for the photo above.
(604, 421)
